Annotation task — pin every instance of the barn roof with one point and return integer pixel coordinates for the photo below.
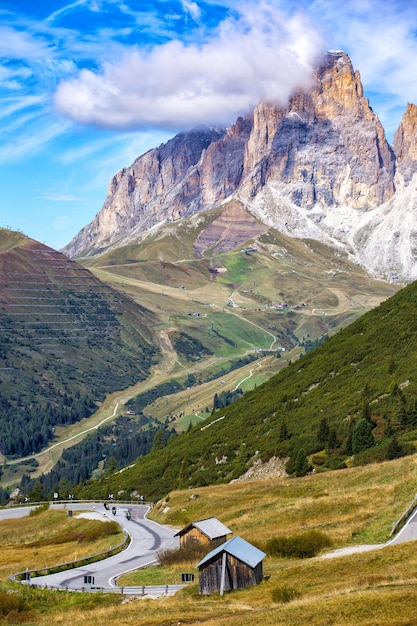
(240, 549)
(210, 527)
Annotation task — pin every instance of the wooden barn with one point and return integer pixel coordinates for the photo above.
(233, 565)
(208, 532)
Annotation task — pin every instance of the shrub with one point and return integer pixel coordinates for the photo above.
(191, 551)
(39, 509)
(13, 608)
(284, 594)
(335, 462)
(98, 531)
(301, 546)
(9, 602)
(318, 460)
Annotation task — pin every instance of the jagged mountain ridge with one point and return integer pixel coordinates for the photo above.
(320, 168)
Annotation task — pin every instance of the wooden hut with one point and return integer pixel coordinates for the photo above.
(209, 532)
(233, 565)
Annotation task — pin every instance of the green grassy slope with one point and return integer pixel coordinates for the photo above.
(210, 310)
(294, 290)
(365, 371)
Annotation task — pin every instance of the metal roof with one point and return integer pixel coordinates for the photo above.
(210, 527)
(240, 549)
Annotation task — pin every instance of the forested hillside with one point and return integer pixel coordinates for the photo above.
(66, 340)
(352, 400)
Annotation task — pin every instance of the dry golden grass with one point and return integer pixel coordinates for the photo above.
(50, 527)
(358, 505)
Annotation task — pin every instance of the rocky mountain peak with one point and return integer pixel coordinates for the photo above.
(319, 168)
(327, 146)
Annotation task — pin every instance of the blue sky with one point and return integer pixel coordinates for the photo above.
(89, 85)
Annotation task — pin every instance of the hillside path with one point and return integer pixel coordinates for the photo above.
(407, 533)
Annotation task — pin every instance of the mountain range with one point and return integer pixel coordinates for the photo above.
(320, 168)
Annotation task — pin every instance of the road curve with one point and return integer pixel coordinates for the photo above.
(147, 539)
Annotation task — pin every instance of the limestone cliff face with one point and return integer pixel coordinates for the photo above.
(159, 186)
(327, 147)
(405, 144)
(320, 168)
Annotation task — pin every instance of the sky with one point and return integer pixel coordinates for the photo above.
(87, 86)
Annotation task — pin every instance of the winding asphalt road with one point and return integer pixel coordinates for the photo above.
(147, 539)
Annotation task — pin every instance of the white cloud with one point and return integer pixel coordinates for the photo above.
(192, 8)
(65, 9)
(13, 105)
(263, 54)
(17, 44)
(53, 196)
(30, 143)
(10, 76)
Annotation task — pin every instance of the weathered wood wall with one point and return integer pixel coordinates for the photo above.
(238, 575)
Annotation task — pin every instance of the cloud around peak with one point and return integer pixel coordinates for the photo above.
(258, 53)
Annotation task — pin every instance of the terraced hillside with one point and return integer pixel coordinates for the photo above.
(66, 340)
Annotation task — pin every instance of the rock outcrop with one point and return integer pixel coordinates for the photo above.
(319, 168)
(405, 144)
(328, 147)
(232, 228)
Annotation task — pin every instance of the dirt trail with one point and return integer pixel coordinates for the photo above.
(108, 411)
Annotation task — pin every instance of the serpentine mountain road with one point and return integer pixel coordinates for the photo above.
(147, 539)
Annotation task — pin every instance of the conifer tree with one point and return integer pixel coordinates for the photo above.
(362, 437)
(324, 430)
(302, 466)
(283, 431)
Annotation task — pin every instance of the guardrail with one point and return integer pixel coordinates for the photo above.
(61, 567)
(404, 517)
(73, 501)
(143, 590)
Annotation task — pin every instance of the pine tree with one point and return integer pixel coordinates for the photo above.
(362, 437)
(283, 431)
(159, 440)
(394, 450)
(324, 431)
(302, 466)
(332, 442)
